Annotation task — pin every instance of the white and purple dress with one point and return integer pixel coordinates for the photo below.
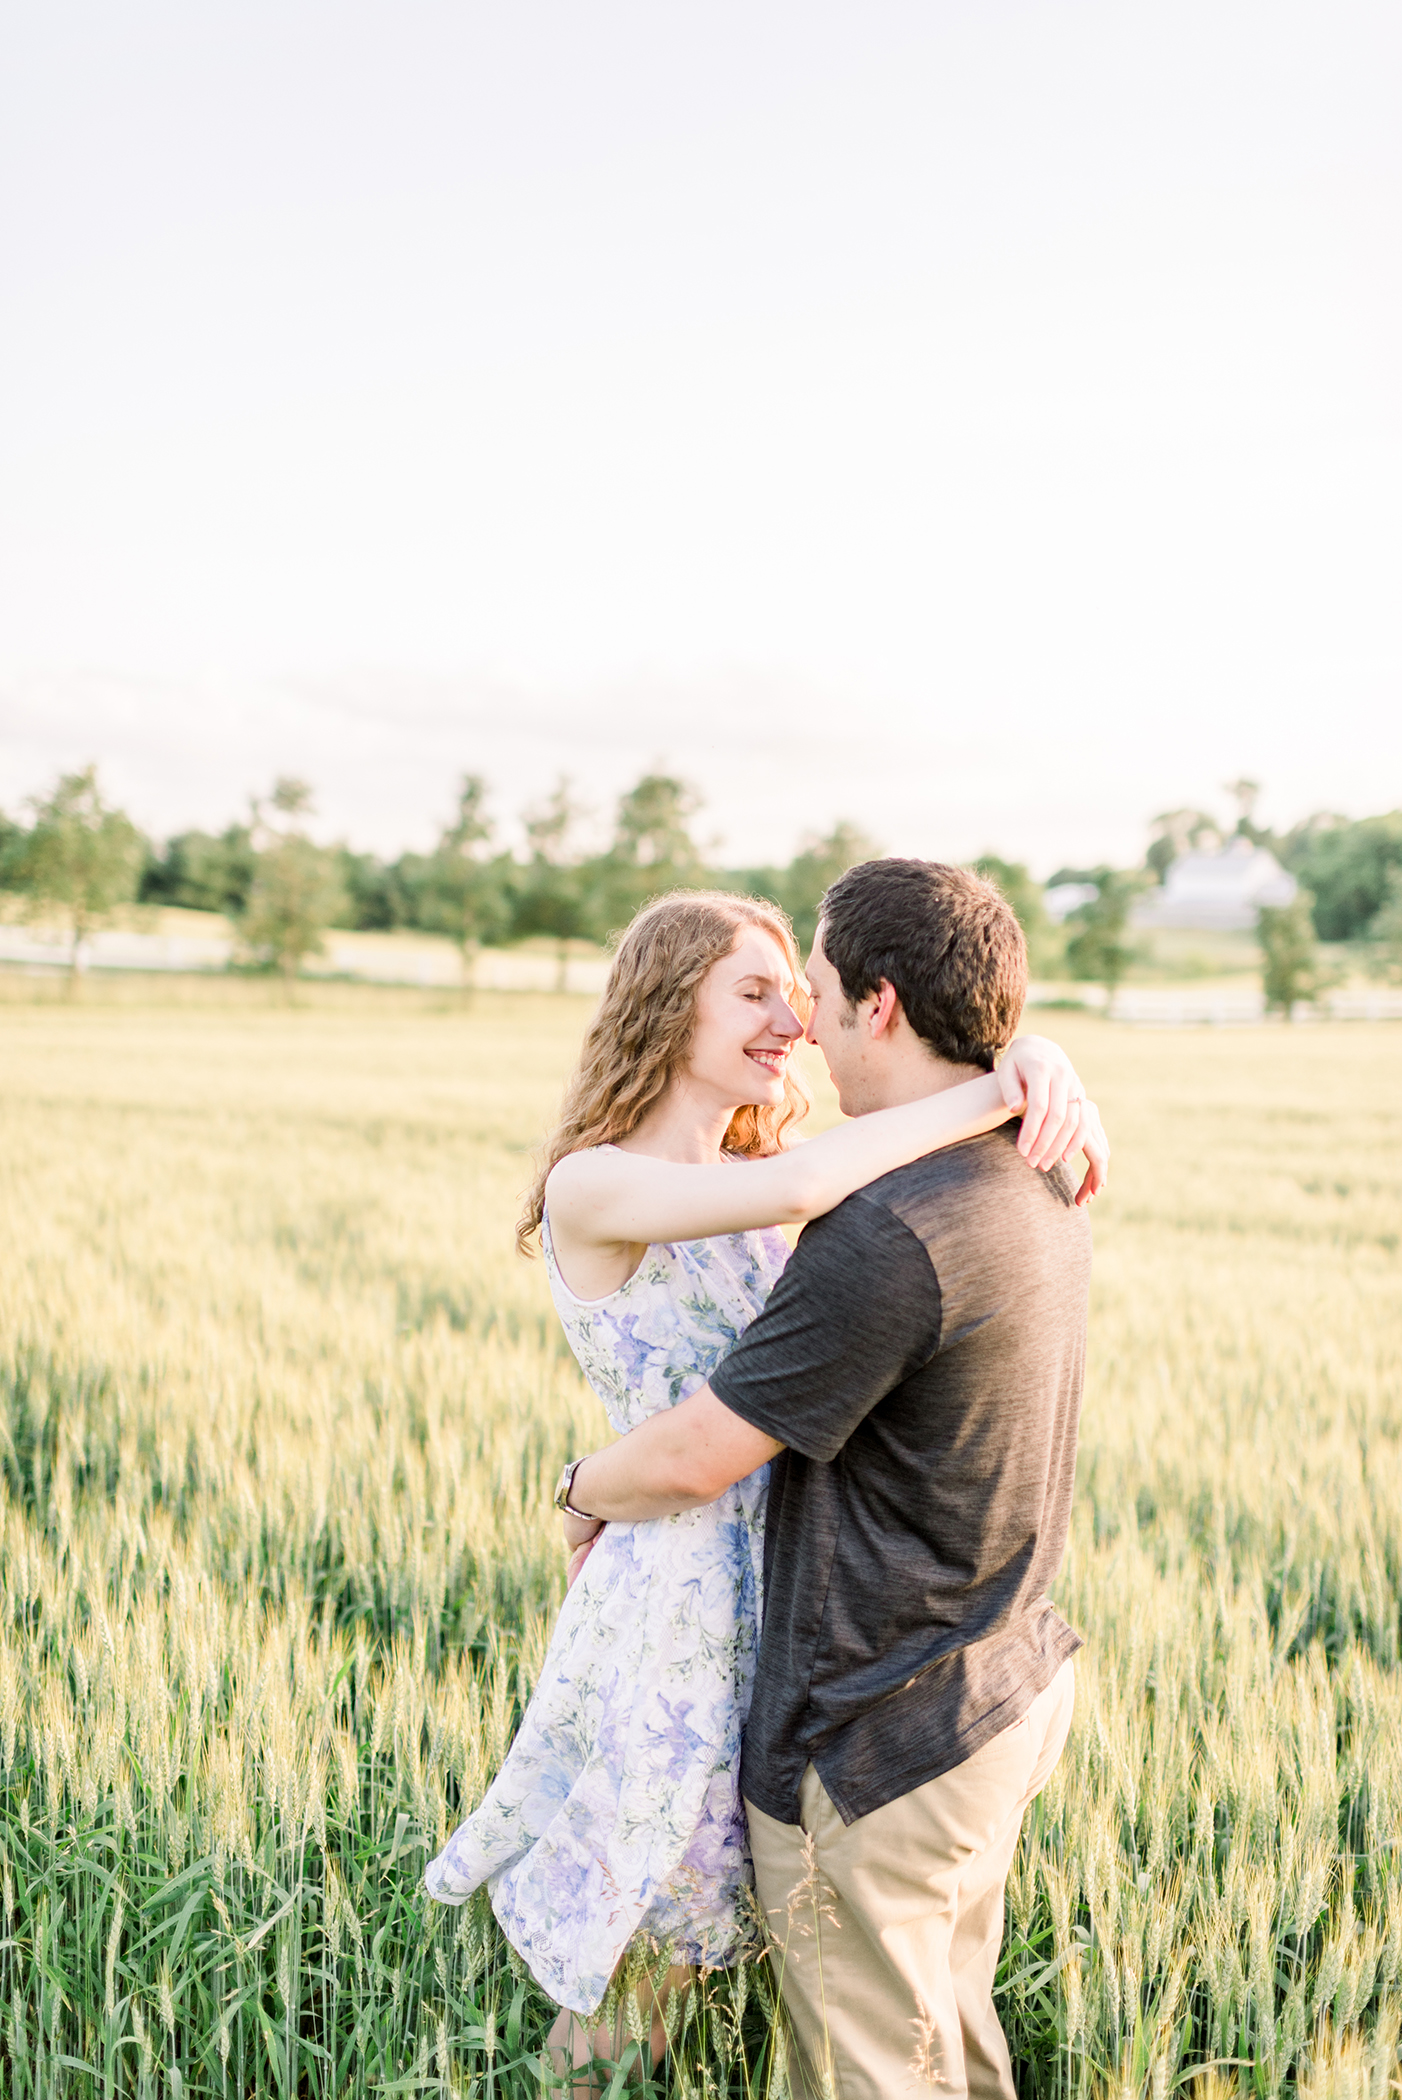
(617, 1810)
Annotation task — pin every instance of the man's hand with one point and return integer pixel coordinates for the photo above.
(581, 1536)
(580, 1531)
(1039, 1081)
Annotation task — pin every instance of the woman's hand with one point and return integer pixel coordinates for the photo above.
(1039, 1081)
(581, 1534)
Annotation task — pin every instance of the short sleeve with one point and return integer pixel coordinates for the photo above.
(856, 1311)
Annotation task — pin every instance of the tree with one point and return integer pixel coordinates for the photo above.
(652, 849)
(555, 894)
(1294, 847)
(813, 871)
(1097, 951)
(1176, 832)
(199, 872)
(1246, 794)
(651, 829)
(459, 891)
(79, 857)
(1024, 893)
(1385, 932)
(374, 896)
(1289, 958)
(12, 837)
(1345, 866)
(295, 893)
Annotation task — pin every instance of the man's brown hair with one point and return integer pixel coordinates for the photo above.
(947, 942)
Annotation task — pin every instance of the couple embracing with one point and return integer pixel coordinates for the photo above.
(807, 1642)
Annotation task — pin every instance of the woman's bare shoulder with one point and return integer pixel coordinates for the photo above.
(578, 1172)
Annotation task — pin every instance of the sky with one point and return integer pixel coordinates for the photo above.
(975, 419)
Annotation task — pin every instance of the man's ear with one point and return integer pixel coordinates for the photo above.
(883, 1008)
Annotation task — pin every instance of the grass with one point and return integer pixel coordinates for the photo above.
(279, 1414)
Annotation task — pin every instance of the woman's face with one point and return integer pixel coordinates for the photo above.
(745, 1024)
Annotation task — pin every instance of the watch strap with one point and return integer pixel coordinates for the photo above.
(563, 1491)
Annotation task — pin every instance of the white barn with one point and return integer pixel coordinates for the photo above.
(1218, 892)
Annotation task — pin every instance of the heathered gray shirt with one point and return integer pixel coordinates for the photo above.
(921, 1358)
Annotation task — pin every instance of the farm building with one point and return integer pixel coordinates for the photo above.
(1220, 892)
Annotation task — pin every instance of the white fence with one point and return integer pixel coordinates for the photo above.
(433, 963)
(1215, 1006)
(370, 958)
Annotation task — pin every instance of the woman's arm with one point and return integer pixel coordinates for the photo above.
(608, 1198)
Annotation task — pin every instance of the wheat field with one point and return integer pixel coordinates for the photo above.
(279, 1415)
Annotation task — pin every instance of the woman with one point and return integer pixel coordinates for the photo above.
(617, 1811)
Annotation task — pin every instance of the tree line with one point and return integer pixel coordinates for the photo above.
(73, 854)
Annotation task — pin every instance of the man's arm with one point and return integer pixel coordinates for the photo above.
(678, 1459)
(855, 1311)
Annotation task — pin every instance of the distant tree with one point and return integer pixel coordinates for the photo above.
(1385, 932)
(1290, 969)
(375, 901)
(1176, 832)
(80, 858)
(1345, 867)
(1246, 794)
(201, 872)
(12, 837)
(460, 891)
(813, 871)
(296, 892)
(556, 893)
(652, 849)
(652, 826)
(1293, 848)
(1097, 952)
(1024, 893)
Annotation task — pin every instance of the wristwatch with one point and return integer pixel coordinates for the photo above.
(562, 1493)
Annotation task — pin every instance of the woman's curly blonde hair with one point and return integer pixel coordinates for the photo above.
(642, 1031)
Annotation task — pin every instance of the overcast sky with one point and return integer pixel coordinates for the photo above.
(979, 420)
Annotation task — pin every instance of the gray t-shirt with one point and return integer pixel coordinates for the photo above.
(921, 1359)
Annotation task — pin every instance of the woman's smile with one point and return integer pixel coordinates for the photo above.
(772, 1060)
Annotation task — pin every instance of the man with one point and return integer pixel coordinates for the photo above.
(916, 1378)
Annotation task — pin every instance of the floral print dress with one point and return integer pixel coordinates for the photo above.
(617, 1810)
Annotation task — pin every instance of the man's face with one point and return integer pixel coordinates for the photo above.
(835, 1025)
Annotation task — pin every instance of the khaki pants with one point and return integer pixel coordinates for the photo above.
(887, 1931)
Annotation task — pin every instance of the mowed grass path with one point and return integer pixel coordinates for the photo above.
(279, 1415)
